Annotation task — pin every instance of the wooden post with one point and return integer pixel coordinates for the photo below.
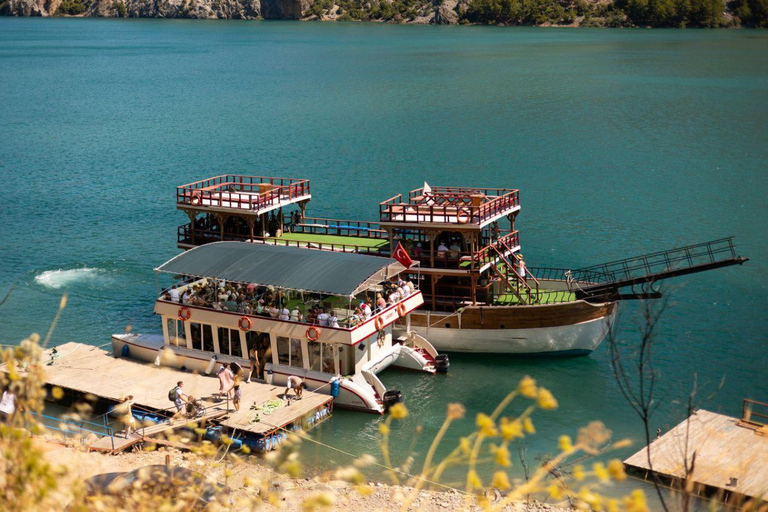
(192, 216)
(432, 238)
(251, 221)
(222, 219)
(434, 282)
(473, 292)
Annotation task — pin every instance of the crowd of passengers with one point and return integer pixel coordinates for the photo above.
(252, 299)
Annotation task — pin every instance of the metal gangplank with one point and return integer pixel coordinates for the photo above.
(605, 280)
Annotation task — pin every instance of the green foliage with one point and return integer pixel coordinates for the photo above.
(120, 9)
(521, 12)
(674, 13)
(71, 8)
(753, 13)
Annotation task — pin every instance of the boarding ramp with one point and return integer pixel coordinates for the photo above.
(605, 280)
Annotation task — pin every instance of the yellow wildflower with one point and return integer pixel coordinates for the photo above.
(456, 411)
(616, 469)
(465, 446)
(565, 443)
(600, 472)
(500, 481)
(612, 506)
(555, 492)
(486, 425)
(578, 472)
(398, 411)
(527, 387)
(384, 429)
(546, 400)
(474, 480)
(528, 426)
(511, 429)
(502, 457)
(635, 502)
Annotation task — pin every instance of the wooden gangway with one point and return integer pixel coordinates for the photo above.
(729, 456)
(93, 371)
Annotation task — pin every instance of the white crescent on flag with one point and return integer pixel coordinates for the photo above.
(402, 256)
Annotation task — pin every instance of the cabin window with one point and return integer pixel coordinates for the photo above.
(283, 351)
(297, 358)
(202, 336)
(328, 359)
(176, 332)
(314, 355)
(229, 342)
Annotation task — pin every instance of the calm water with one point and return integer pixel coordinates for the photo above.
(622, 142)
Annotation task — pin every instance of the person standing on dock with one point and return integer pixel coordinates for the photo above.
(179, 397)
(226, 378)
(253, 357)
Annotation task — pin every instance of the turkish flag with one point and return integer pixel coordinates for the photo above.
(401, 256)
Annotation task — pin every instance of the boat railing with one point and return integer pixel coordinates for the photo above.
(204, 236)
(459, 208)
(339, 227)
(239, 192)
(323, 246)
(504, 244)
(567, 276)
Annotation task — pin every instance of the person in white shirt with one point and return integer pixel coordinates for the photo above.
(393, 297)
(296, 315)
(366, 310)
(322, 318)
(441, 250)
(7, 406)
(285, 314)
(407, 288)
(333, 321)
(185, 297)
(455, 250)
(174, 293)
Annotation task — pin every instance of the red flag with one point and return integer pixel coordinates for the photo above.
(401, 256)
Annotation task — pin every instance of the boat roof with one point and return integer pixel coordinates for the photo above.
(295, 268)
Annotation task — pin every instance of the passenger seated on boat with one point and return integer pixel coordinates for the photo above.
(185, 296)
(296, 315)
(455, 250)
(442, 250)
(333, 320)
(366, 310)
(284, 313)
(272, 311)
(356, 318)
(380, 303)
(217, 306)
(393, 297)
(230, 303)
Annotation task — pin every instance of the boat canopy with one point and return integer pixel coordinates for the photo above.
(295, 268)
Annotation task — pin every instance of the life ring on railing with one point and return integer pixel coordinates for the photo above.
(195, 198)
(313, 333)
(379, 323)
(244, 323)
(463, 216)
(184, 313)
(401, 310)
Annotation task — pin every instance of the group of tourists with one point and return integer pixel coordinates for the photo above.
(252, 299)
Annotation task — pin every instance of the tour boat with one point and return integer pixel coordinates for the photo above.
(480, 296)
(342, 359)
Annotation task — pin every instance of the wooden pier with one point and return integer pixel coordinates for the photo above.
(92, 371)
(731, 456)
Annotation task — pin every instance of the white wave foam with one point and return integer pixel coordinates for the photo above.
(65, 278)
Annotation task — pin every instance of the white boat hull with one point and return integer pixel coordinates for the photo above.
(566, 340)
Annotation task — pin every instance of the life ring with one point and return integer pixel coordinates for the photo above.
(313, 333)
(196, 198)
(401, 310)
(244, 323)
(379, 322)
(463, 216)
(184, 313)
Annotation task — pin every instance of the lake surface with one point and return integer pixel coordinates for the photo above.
(622, 142)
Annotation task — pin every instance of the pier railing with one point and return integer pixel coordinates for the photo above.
(754, 412)
(449, 205)
(324, 246)
(239, 192)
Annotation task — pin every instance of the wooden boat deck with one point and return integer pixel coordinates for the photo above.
(730, 457)
(91, 370)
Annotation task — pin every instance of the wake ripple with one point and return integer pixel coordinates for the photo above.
(64, 278)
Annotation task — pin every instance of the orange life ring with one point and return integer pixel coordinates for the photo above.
(244, 323)
(184, 313)
(379, 322)
(313, 333)
(463, 216)
(401, 309)
(196, 198)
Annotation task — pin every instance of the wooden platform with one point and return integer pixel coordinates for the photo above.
(729, 457)
(91, 370)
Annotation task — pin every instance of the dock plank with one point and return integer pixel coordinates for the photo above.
(89, 369)
(724, 451)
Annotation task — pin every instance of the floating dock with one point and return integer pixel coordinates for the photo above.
(88, 370)
(730, 455)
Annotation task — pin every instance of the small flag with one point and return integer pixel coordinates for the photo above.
(402, 257)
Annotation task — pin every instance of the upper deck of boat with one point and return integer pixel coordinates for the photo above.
(247, 195)
(460, 208)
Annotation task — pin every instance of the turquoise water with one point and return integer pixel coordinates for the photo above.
(621, 141)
